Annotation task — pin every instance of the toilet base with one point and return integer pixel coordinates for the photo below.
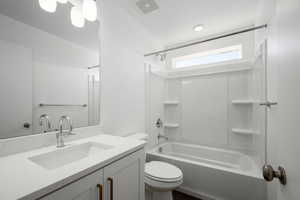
(158, 195)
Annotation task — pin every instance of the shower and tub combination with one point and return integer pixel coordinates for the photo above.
(208, 98)
(212, 173)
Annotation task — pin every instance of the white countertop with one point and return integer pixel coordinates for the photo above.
(20, 178)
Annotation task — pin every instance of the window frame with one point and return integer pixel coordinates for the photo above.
(218, 51)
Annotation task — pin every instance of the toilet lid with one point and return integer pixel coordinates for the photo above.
(162, 171)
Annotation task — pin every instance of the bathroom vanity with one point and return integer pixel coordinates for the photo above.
(101, 167)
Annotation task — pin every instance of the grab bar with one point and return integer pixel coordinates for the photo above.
(62, 105)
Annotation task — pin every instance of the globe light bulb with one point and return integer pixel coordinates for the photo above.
(48, 5)
(89, 10)
(77, 18)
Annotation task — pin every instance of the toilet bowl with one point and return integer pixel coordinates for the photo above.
(161, 178)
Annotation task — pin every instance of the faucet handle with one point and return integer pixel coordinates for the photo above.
(68, 120)
(45, 118)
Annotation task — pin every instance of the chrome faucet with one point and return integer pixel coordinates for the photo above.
(45, 118)
(59, 134)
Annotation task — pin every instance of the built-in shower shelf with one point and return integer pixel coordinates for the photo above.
(171, 125)
(171, 103)
(244, 102)
(244, 131)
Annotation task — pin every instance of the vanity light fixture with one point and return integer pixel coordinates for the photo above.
(198, 28)
(81, 10)
(48, 5)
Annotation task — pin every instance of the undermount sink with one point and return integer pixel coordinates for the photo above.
(67, 155)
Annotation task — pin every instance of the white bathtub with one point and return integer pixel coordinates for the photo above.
(212, 173)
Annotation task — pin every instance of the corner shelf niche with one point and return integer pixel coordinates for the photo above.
(248, 132)
(171, 125)
(174, 103)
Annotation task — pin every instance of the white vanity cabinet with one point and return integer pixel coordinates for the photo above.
(87, 188)
(120, 180)
(124, 179)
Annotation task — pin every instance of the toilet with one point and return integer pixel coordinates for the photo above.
(161, 178)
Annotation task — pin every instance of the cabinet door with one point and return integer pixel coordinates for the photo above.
(87, 188)
(124, 179)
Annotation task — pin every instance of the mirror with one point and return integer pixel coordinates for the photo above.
(49, 67)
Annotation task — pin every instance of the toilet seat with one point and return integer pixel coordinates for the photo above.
(162, 172)
(161, 176)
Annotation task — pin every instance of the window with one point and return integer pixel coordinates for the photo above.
(209, 57)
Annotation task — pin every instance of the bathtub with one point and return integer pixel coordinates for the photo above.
(213, 173)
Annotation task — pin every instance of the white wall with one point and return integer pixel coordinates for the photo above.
(123, 43)
(46, 47)
(59, 71)
(204, 105)
(205, 112)
(55, 84)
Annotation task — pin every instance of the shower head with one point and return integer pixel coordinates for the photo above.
(162, 56)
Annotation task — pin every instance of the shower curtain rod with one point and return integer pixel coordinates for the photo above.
(207, 40)
(97, 66)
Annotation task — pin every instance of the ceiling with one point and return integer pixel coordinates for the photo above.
(58, 23)
(173, 22)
